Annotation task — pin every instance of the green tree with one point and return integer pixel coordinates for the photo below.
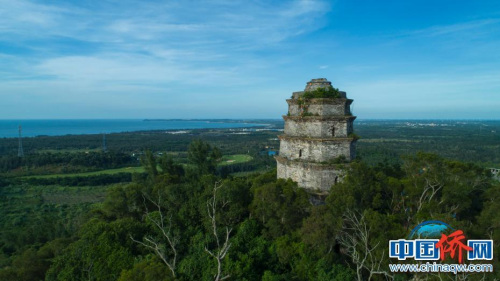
(150, 164)
(249, 256)
(203, 156)
(171, 170)
(124, 201)
(101, 253)
(438, 188)
(280, 206)
(148, 269)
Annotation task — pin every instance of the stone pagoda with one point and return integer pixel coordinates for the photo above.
(318, 140)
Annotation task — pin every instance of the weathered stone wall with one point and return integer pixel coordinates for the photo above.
(323, 107)
(318, 127)
(315, 150)
(296, 95)
(314, 177)
(315, 136)
(318, 83)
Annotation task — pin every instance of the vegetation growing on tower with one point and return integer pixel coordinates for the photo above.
(322, 93)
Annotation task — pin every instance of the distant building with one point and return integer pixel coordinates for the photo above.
(318, 139)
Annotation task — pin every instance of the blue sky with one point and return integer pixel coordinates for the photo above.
(242, 59)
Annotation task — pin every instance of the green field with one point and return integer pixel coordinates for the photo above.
(235, 159)
(226, 160)
(102, 172)
(69, 150)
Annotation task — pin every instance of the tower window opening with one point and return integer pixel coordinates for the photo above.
(300, 153)
(333, 131)
(336, 179)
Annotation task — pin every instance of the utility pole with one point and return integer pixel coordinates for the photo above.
(20, 151)
(104, 147)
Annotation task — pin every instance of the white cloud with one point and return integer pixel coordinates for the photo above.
(148, 52)
(140, 41)
(226, 21)
(457, 28)
(115, 69)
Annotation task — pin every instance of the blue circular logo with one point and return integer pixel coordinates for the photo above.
(430, 230)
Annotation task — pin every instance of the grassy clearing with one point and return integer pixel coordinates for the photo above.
(235, 159)
(73, 194)
(387, 140)
(69, 150)
(248, 173)
(102, 172)
(226, 160)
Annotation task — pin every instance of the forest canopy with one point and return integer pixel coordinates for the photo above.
(183, 222)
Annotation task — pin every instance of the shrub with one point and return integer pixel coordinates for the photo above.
(322, 93)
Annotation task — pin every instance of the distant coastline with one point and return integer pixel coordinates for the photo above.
(215, 120)
(32, 128)
(61, 127)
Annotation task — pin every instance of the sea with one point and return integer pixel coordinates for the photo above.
(32, 128)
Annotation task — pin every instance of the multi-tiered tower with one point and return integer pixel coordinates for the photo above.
(318, 140)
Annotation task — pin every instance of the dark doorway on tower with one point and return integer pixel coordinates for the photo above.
(336, 179)
(300, 153)
(333, 131)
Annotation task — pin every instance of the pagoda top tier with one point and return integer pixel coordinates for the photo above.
(315, 84)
